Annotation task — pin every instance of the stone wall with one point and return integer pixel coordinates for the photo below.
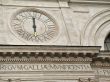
(80, 23)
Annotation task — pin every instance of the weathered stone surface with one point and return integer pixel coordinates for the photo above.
(80, 23)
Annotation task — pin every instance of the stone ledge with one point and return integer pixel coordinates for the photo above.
(48, 48)
(91, 1)
(12, 53)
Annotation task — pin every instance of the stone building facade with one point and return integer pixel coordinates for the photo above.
(54, 41)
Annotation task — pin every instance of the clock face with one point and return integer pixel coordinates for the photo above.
(34, 25)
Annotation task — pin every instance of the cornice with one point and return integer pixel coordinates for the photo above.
(40, 53)
(47, 53)
(102, 60)
(56, 3)
(104, 54)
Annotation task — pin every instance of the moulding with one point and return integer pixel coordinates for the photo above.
(49, 48)
(104, 54)
(38, 53)
(9, 53)
(64, 4)
(94, 29)
(91, 1)
(43, 60)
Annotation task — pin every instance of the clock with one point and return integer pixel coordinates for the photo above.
(34, 25)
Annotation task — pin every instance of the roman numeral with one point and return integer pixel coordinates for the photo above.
(38, 16)
(47, 20)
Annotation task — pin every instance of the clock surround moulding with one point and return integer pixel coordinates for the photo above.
(34, 26)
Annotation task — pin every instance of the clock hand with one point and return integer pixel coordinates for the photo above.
(34, 26)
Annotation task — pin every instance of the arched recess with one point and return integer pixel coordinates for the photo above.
(107, 43)
(96, 30)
